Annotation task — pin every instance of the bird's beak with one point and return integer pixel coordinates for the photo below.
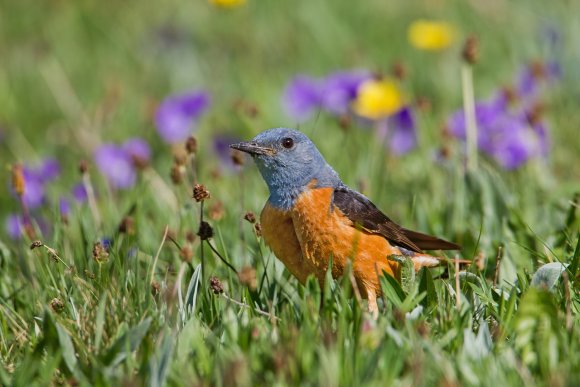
(253, 148)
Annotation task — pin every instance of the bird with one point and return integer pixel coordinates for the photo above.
(312, 219)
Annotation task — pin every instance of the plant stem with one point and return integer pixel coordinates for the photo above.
(470, 119)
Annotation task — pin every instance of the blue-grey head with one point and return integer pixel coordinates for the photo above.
(289, 162)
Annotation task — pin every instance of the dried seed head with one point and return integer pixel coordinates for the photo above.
(83, 166)
(127, 226)
(176, 174)
(155, 288)
(247, 277)
(344, 121)
(247, 108)
(186, 253)
(216, 285)
(56, 305)
(538, 69)
(470, 51)
(423, 329)
(200, 193)
(258, 229)
(510, 94)
(18, 182)
(139, 162)
(190, 236)
(191, 145)
(35, 244)
(89, 274)
(205, 231)
(238, 157)
(250, 217)
(536, 113)
(423, 104)
(100, 253)
(399, 71)
(445, 152)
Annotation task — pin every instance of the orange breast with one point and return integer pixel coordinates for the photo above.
(324, 233)
(306, 237)
(279, 234)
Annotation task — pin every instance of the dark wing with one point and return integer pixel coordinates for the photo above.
(363, 213)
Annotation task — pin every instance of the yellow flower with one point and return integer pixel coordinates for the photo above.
(227, 3)
(431, 35)
(378, 98)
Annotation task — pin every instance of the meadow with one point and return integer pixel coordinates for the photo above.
(130, 244)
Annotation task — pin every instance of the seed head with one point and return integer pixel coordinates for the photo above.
(127, 225)
(83, 166)
(200, 193)
(399, 71)
(186, 253)
(191, 145)
(205, 231)
(155, 288)
(18, 182)
(250, 217)
(100, 253)
(258, 229)
(57, 305)
(216, 285)
(238, 157)
(247, 277)
(470, 51)
(35, 244)
(176, 174)
(190, 236)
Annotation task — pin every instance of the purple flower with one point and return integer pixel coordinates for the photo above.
(138, 150)
(34, 189)
(340, 89)
(400, 131)
(302, 97)
(404, 132)
(35, 180)
(116, 165)
(531, 76)
(515, 143)
(64, 207)
(79, 193)
(177, 115)
(14, 225)
(486, 113)
(221, 147)
(505, 135)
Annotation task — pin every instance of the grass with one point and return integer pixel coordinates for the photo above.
(74, 75)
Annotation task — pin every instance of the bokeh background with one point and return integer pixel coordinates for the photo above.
(101, 96)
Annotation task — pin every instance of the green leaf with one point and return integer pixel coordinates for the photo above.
(575, 264)
(392, 290)
(547, 275)
(67, 348)
(427, 286)
(127, 343)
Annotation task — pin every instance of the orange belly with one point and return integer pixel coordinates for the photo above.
(309, 235)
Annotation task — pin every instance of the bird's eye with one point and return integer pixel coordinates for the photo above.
(287, 143)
